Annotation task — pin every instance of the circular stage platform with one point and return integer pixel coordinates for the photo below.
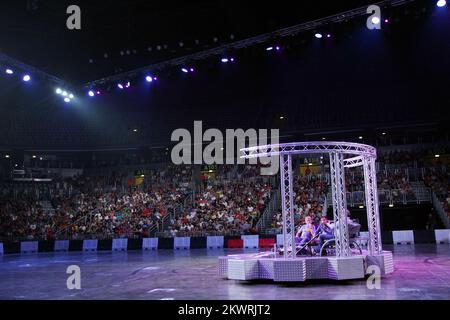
(266, 265)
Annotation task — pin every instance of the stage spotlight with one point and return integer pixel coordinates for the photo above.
(318, 35)
(7, 156)
(437, 155)
(71, 96)
(269, 48)
(184, 70)
(128, 84)
(441, 3)
(64, 93)
(9, 71)
(91, 93)
(66, 99)
(191, 69)
(58, 91)
(386, 20)
(383, 133)
(148, 79)
(98, 93)
(26, 78)
(232, 59)
(391, 205)
(33, 156)
(328, 35)
(375, 20)
(120, 86)
(224, 60)
(360, 137)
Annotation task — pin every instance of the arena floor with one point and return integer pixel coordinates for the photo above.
(421, 272)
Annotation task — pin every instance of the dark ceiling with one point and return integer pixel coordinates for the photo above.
(35, 32)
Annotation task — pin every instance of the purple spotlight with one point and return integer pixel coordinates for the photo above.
(26, 78)
(155, 78)
(277, 48)
(91, 93)
(328, 35)
(386, 20)
(224, 60)
(191, 69)
(120, 86)
(9, 71)
(232, 59)
(98, 93)
(128, 84)
(318, 35)
(148, 79)
(184, 70)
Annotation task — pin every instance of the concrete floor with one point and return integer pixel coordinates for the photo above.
(421, 272)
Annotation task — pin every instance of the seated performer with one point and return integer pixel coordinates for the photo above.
(353, 226)
(326, 230)
(306, 232)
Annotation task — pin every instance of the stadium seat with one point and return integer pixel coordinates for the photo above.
(266, 243)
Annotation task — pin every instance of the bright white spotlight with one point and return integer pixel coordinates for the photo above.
(58, 91)
(64, 93)
(375, 20)
(191, 69)
(318, 35)
(128, 84)
(184, 70)
(91, 93)
(26, 78)
(9, 71)
(224, 60)
(120, 86)
(148, 79)
(269, 48)
(66, 99)
(71, 96)
(441, 3)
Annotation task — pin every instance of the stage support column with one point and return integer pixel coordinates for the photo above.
(339, 204)
(287, 205)
(371, 193)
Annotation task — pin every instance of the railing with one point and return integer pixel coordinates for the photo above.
(391, 196)
(440, 210)
(85, 218)
(166, 234)
(271, 207)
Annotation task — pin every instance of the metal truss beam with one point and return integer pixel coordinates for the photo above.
(371, 194)
(285, 32)
(287, 205)
(339, 205)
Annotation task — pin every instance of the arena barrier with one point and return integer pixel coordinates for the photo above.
(403, 237)
(90, 245)
(29, 246)
(441, 236)
(120, 244)
(279, 240)
(214, 242)
(182, 243)
(61, 245)
(150, 244)
(250, 241)
(235, 243)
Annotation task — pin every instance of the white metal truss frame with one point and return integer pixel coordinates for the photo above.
(360, 155)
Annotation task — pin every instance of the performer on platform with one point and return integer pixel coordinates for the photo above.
(326, 230)
(306, 232)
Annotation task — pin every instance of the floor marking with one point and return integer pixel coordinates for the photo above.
(161, 289)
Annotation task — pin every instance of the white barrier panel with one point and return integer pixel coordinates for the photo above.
(1, 248)
(28, 246)
(251, 242)
(181, 243)
(279, 240)
(61, 245)
(400, 237)
(150, 243)
(213, 242)
(90, 245)
(363, 238)
(120, 244)
(442, 235)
